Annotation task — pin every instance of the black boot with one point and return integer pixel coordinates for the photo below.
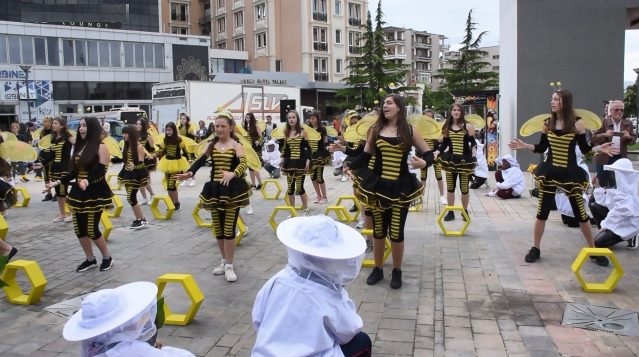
(450, 216)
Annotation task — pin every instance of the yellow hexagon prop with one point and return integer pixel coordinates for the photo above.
(265, 192)
(240, 231)
(288, 203)
(170, 208)
(192, 291)
(117, 207)
(387, 249)
(199, 221)
(292, 211)
(106, 225)
(22, 197)
(113, 186)
(416, 208)
(4, 228)
(447, 232)
(36, 278)
(341, 213)
(610, 283)
(355, 201)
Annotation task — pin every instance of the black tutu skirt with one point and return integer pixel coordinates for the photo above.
(7, 193)
(459, 164)
(57, 170)
(95, 198)
(572, 180)
(150, 164)
(377, 192)
(215, 196)
(294, 167)
(321, 158)
(135, 178)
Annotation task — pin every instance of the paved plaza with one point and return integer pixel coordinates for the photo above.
(467, 296)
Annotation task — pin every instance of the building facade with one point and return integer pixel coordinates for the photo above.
(186, 17)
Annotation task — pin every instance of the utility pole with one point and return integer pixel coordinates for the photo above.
(25, 69)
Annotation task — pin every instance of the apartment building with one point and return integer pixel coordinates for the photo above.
(421, 50)
(306, 36)
(492, 57)
(186, 17)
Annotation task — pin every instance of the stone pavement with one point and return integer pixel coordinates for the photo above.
(468, 296)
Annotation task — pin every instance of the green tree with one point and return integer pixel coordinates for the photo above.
(467, 71)
(630, 101)
(371, 76)
(440, 101)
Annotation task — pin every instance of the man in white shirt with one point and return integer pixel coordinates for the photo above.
(271, 157)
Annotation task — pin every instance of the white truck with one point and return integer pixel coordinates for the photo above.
(199, 100)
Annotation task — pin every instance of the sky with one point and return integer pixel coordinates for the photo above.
(448, 18)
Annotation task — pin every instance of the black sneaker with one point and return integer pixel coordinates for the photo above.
(632, 243)
(177, 206)
(376, 276)
(533, 255)
(450, 216)
(396, 279)
(106, 264)
(258, 187)
(600, 260)
(137, 224)
(86, 265)
(54, 199)
(353, 209)
(47, 197)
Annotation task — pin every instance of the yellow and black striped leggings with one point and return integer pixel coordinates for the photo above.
(224, 222)
(438, 172)
(451, 180)
(131, 195)
(295, 185)
(389, 222)
(546, 203)
(171, 179)
(317, 173)
(87, 225)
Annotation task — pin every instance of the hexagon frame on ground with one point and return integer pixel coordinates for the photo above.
(276, 210)
(341, 213)
(240, 230)
(117, 207)
(355, 215)
(107, 225)
(265, 193)
(4, 228)
(191, 289)
(449, 233)
(199, 220)
(36, 278)
(611, 281)
(109, 178)
(22, 197)
(170, 208)
(387, 249)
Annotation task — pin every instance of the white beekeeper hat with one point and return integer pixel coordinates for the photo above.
(621, 165)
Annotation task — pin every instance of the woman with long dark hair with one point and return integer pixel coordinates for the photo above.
(42, 171)
(172, 162)
(562, 131)
(61, 144)
(458, 156)
(185, 129)
(89, 194)
(320, 158)
(296, 155)
(255, 138)
(227, 190)
(133, 174)
(150, 162)
(385, 185)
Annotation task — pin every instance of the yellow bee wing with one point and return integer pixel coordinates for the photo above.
(189, 143)
(36, 133)
(278, 133)
(426, 126)
(351, 135)
(533, 125)
(363, 125)
(153, 131)
(113, 146)
(193, 128)
(591, 120)
(201, 147)
(16, 150)
(45, 142)
(261, 126)
(252, 159)
(477, 121)
(8, 136)
(330, 131)
(312, 133)
(239, 131)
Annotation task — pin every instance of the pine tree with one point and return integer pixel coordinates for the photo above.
(466, 73)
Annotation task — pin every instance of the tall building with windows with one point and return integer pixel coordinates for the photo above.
(186, 17)
(308, 36)
(420, 50)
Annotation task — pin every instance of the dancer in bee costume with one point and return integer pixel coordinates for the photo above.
(58, 162)
(133, 174)
(296, 159)
(150, 162)
(320, 158)
(227, 190)
(187, 130)
(172, 162)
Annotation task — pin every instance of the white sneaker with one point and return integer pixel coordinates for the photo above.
(219, 270)
(229, 274)
(306, 212)
(184, 183)
(68, 219)
(443, 200)
(344, 178)
(249, 210)
(144, 202)
(360, 224)
(191, 183)
(492, 194)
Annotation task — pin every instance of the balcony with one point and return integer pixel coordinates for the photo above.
(220, 36)
(321, 77)
(204, 20)
(354, 50)
(355, 21)
(419, 44)
(220, 11)
(320, 46)
(237, 4)
(320, 16)
(395, 56)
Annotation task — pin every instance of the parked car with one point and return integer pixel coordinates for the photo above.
(115, 130)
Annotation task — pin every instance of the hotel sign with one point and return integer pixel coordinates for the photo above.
(95, 24)
(266, 82)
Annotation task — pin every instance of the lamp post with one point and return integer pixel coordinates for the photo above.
(25, 69)
(637, 94)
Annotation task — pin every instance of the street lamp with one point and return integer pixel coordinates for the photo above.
(637, 94)
(25, 69)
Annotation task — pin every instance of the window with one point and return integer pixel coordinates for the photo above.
(238, 19)
(3, 49)
(128, 54)
(220, 4)
(27, 50)
(158, 50)
(260, 12)
(221, 25)
(278, 65)
(148, 55)
(221, 46)
(319, 6)
(217, 65)
(103, 47)
(40, 50)
(354, 11)
(179, 30)
(319, 39)
(338, 65)
(179, 12)
(320, 69)
(354, 42)
(495, 57)
(139, 55)
(238, 43)
(92, 50)
(338, 36)
(115, 54)
(80, 53)
(14, 50)
(338, 7)
(260, 40)
(53, 53)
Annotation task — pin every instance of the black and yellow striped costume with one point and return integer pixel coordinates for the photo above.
(186, 131)
(320, 157)
(172, 163)
(87, 205)
(294, 156)
(149, 163)
(59, 165)
(223, 201)
(42, 156)
(560, 171)
(133, 175)
(437, 167)
(457, 159)
(386, 186)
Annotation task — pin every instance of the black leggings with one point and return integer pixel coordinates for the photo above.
(317, 173)
(224, 222)
(451, 180)
(171, 179)
(547, 202)
(131, 195)
(606, 239)
(391, 222)
(295, 185)
(87, 225)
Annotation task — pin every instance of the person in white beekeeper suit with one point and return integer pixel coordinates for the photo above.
(510, 179)
(304, 309)
(622, 221)
(119, 322)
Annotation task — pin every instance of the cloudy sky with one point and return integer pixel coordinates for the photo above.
(448, 18)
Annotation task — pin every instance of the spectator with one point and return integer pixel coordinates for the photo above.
(510, 179)
(272, 158)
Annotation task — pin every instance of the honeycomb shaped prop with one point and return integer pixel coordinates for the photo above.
(387, 249)
(109, 180)
(265, 192)
(240, 231)
(107, 226)
(193, 292)
(117, 207)
(291, 210)
(199, 220)
(451, 233)
(606, 286)
(36, 278)
(170, 208)
(352, 217)
(22, 197)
